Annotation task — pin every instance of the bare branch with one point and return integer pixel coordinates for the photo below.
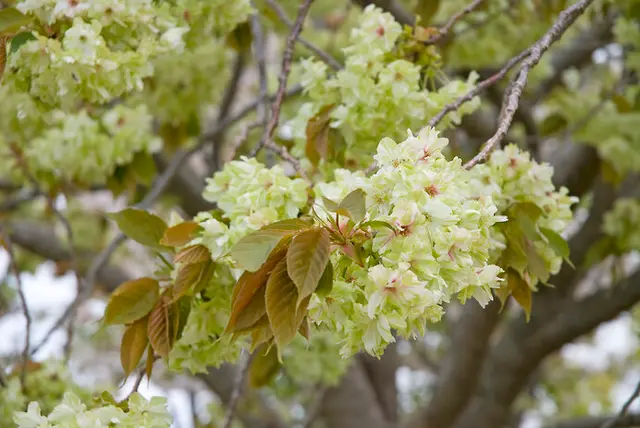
(479, 88)
(514, 92)
(236, 392)
(8, 244)
(624, 410)
(267, 139)
(444, 31)
(324, 56)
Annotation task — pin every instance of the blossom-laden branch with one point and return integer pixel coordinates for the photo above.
(516, 87)
(267, 138)
(624, 410)
(478, 88)
(324, 56)
(444, 31)
(8, 244)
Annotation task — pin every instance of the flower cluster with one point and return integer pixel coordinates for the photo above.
(437, 245)
(377, 93)
(82, 66)
(73, 413)
(622, 224)
(45, 384)
(515, 181)
(81, 148)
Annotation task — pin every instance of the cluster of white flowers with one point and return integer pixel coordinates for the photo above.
(510, 177)
(376, 93)
(81, 148)
(440, 246)
(73, 413)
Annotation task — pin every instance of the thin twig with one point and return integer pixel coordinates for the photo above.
(444, 31)
(324, 56)
(236, 392)
(624, 410)
(514, 92)
(478, 88)
(267, 139)
(23, 302)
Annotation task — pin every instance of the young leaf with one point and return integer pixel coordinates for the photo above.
(520, 291)
(143, 167)
(261, 333)
(148, 367)
(264, 367)
(11, 20)
(180, 234)
(353, 206)
(325, 285)
(182, 309)
(536, 264)
(317, 132)
(252, 250)
(161, 324)
(304, 329)
(141, 226)
(193, 254)
(19, 40)
(192, 277)
(556, 241)
(281, 299)
(251, 314)
(134, 343)
(307, 258)
(131, 301)
(248, 285)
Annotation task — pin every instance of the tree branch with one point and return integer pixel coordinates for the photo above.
(444, 31)
(324, 56)
(514, 92)
(267, 138)
(613, 422)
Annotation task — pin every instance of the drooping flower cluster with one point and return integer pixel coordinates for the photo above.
(377, 93)
(439, 246)
(518, 184)
(622, 224)
(73, 413)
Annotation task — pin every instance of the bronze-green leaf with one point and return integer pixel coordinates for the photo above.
(134, 343)
(307, 259)
(353, 206)
(193, 254)
(281, 299)
(325, 285)
(161, 326)
(264, 367)
(180, 234)
(248, 285)
(141, 226)
(520, 291)
(252, 250)
(148, 366)
(131, 301)
(318, 132)
(192, 278)
(11, 21)
(251, 314)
